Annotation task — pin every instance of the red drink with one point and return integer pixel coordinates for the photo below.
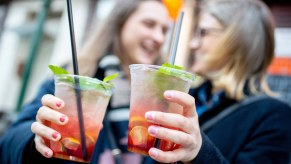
(95, 96)
(148, 83)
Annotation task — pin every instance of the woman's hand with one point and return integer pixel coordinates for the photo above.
(188, 136)
(48, 113)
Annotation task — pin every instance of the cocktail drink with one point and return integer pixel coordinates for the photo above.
(95, 96)
(148, 84)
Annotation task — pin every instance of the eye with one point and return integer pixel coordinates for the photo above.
(149, 23)
(203, 32)
(165, 29)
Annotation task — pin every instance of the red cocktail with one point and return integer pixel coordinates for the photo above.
(148, 83)
(95, 96)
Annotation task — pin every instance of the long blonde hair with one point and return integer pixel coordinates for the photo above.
(246, 46)
(106, 39)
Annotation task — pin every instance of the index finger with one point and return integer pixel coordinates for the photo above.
(183, 99)
(52, 101)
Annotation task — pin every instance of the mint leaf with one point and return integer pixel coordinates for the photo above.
(58, 70)
(172, 66)
(174, 70)
(84, 82)
(110, 77)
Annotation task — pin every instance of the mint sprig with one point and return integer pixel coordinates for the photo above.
(58, 70)
(110, 77)
(174, 70)
(84, 83)
(172, 66)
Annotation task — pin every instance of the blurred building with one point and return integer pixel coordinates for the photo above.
(280, 70)
(36, 32)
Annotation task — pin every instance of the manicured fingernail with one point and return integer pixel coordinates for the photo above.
(149, 116)
(154, 152)
(55, 135)
(153, 130)
(63, 118)
(169, 94)
(47, 153)
(59, 104)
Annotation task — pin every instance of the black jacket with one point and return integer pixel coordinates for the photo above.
(258, 132)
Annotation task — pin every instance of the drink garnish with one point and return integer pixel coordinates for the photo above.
(71, 143)
(83, 82)
(58, 70)
(139, 135)
(174, 70)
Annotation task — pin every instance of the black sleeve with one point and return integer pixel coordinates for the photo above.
(270, 140)
(208, 153)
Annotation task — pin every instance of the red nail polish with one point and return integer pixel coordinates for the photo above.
(63, 118)
(46, 154)
(55, 135)
(59, 103)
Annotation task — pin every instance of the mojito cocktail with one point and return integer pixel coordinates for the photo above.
(148, 84)
(95, 96)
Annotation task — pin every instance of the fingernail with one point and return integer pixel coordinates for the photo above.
(47, 153)
(63, 118)
(59, 104)
(169, 94)
(153, 130)
(55, 135)
(149, 116)
(154, 152)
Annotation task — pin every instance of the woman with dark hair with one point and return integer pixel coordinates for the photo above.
(134, 32)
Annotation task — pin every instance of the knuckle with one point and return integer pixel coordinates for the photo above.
(44, 97)
(185, 140)
(181, 122)
(34, 126)
(182, 140)
(37, 146)
(192, 102)
(41, 110)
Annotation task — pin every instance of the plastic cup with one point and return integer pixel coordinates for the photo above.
(148, 84)
(95, 96)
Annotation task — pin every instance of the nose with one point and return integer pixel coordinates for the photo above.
(194, 43)
(159, 36)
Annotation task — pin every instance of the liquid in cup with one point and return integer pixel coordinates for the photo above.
(95, 96)
(148, 84)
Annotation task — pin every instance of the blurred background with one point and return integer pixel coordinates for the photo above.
(35, 33)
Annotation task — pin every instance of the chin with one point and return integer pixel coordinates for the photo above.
(196, 69)
(147, 60)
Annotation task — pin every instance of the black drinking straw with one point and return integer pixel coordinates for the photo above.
(173, 56)
(77, 85)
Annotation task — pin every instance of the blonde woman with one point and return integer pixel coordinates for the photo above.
(240, 120)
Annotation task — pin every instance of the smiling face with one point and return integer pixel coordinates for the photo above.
(205, 39)
(144, 33)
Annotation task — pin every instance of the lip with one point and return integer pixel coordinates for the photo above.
(149, 50)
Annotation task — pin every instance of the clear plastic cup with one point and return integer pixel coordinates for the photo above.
(148, 84)
(95, 96)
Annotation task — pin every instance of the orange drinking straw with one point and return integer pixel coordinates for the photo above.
(77, 85)
(173, 7)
